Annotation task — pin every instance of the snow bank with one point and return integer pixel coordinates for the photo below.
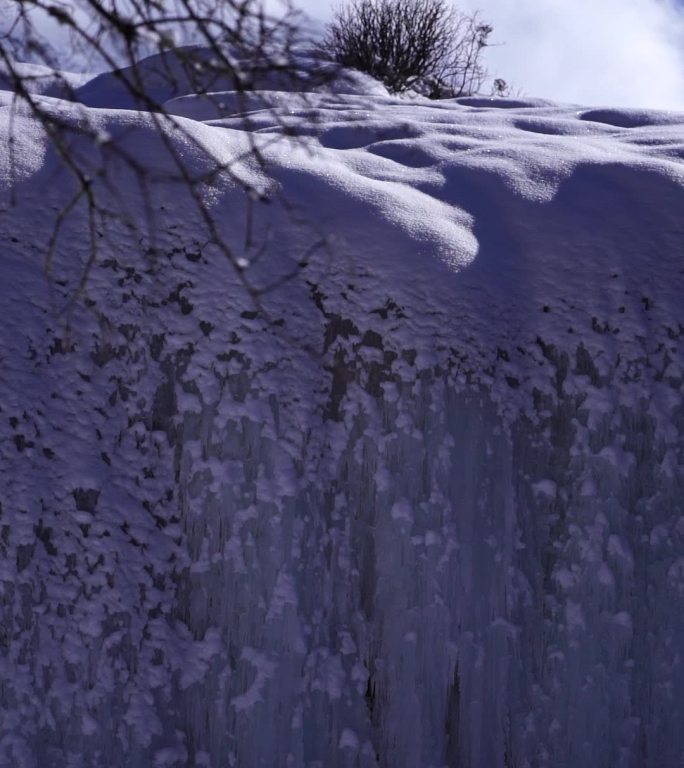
(42, 80)
(419, 506)
(193, 70)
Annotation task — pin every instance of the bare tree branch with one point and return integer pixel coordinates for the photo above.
(227, 45)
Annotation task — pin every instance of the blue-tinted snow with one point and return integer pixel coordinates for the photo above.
(421, 507)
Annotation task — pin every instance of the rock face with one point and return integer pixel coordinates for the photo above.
(420, 505)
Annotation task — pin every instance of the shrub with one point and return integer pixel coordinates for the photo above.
(426, 45)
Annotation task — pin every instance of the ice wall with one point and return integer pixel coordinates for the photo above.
(403, 515)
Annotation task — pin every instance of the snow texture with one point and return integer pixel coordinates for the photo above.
(421, 508)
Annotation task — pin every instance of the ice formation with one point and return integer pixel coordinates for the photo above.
(422, 507)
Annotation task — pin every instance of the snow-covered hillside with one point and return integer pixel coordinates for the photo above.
(421, 505)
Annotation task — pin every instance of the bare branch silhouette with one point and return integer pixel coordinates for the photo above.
(154, 52)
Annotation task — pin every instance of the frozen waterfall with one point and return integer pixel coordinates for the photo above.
(423, 509)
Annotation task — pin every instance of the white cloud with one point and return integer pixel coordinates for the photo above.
(619, 52)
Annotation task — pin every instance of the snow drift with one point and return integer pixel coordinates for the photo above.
(421, 504)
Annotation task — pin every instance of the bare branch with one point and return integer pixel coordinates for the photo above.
(229, 45)
(426, 45)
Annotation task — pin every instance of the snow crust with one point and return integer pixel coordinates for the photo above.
(421, 506)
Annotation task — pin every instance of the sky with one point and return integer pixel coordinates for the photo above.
(594, 52)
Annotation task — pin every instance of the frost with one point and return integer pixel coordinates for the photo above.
(263, 671)
(349, 740)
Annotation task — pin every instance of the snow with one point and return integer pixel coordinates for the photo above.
(420, 505)
(42, 80)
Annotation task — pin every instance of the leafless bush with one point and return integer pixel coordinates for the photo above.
(426, 45)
